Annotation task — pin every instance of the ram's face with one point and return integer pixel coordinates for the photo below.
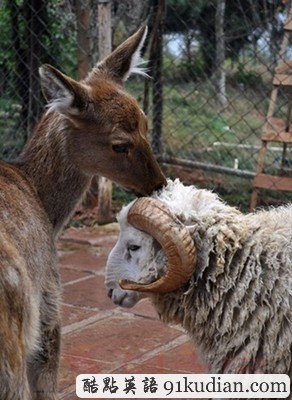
(136, 256)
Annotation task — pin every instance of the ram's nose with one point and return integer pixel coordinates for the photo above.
(110, 293)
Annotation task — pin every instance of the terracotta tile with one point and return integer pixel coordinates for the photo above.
(70, 274)
(71, 315)
(90, 293)
(84, 259)
(107, 241)
(64, 246)
(182, 358)
(101, 236)
(141, 368)
(71, 366)
(143, 308)
(118, 339)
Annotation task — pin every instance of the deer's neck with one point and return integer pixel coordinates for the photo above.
(46, 161)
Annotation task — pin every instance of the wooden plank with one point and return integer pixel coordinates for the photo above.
(288, 25)
(261, 158)
(84, 56)
(275, 129)
(284, 67)
(253, 199)
(282, 80)
(205, 166)
(280, 137)
(272, 182)
(104, 211)
(274, 124)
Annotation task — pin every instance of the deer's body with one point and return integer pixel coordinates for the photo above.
(29, 287)
(92, 127)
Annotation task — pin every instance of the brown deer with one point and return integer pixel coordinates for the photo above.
(91, 127)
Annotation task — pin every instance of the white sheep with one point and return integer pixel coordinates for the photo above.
(224, 276)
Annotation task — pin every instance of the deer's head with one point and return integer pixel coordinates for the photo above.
(107, 128)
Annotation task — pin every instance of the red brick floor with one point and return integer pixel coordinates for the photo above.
(99, 337)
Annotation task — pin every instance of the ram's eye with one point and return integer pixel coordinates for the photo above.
(120, 148)
(133, 247)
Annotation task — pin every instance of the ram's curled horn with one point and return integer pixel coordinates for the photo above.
(153, 217)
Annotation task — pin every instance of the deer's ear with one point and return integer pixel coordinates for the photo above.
(62, 93)
(125, 59)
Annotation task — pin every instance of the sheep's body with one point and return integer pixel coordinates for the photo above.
(237, 307)
(241, 293)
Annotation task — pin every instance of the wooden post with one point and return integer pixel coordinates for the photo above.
(159, 9)
(104, 212)
(83, 37)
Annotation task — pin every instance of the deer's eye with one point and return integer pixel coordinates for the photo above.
(120, 148)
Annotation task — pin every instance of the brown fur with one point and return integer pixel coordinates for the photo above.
(29, 284)
(74, 140)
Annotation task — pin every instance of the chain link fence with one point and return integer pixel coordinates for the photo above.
(211, 65)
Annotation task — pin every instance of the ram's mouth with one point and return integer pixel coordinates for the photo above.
(154, 217)
(122, 298)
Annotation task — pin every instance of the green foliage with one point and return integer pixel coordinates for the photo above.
(249, 78)
(58, 38)
(180, 70)
(120, 197)
(182, 14)
(5, 43)
(54, 42)
(12, 133)
(63, 40)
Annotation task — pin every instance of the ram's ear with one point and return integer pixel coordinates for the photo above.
(125, 59)
(62, 93)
